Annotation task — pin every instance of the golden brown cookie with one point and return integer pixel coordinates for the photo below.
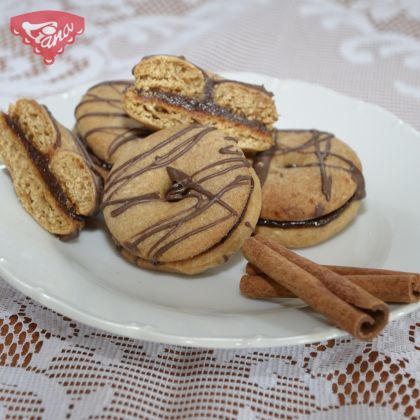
(183, 199)
(312, 185)
(51, 172)
(169, 91)
(102, 124)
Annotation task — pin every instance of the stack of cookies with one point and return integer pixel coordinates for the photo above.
(184, 165)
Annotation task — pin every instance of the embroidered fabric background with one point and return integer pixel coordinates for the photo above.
(52, 367)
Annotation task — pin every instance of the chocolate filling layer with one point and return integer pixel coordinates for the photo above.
(41, 162)
(316, 222)
(207, 106)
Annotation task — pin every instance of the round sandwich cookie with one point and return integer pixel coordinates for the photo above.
(102, 124)
(312, 187)
(170, 90)
(52, 174)
(182, 200)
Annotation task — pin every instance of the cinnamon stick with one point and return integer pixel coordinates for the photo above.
(342, 302)
(345, 270)
(391, 288)
(260, 286)
(350, 271)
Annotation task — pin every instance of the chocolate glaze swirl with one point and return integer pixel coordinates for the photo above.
(183, 186)
(317, 138)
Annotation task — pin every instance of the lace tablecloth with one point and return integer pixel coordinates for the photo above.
(54, 368)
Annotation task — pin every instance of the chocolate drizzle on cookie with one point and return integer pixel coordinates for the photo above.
(122, 133)
(230, 150)
(183, 187)
(181, 184)
(126, 203)
(312, 146)
(201, 205)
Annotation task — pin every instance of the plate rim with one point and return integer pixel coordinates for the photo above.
(139, 332)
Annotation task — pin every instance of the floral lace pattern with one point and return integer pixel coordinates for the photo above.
(54, 368)
(384, 29)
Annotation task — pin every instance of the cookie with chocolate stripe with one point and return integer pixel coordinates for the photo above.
(52, 174)
(102, 124)
(183, 200)
(312, 186)
(169, 91)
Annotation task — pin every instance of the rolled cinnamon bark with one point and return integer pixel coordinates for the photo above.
(260, 286)
(355, 271)
(342, 302)
(391, 288)
(346, 271)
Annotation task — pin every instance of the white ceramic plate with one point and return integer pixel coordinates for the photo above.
(88, 281)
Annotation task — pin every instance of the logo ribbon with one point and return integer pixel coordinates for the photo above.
(47, 31)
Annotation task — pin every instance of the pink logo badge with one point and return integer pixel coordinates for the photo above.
(47, 31)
